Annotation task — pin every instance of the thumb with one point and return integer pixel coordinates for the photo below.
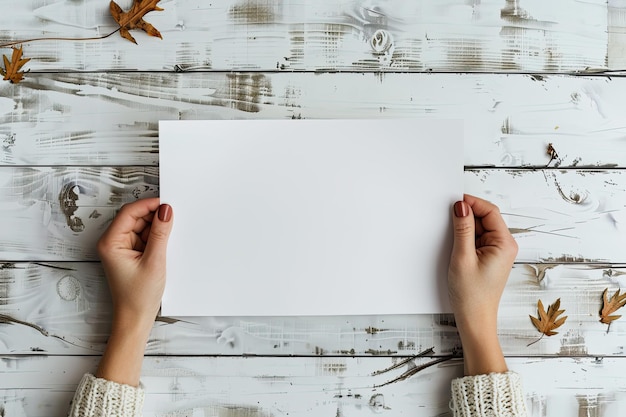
(160, 229)
(464, 230)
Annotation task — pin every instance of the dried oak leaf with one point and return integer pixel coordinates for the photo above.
(548, 320)
(11, 70)
(133, 19)
(611, 305)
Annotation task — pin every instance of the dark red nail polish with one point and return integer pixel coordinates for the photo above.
(165, 212)
(460, 209)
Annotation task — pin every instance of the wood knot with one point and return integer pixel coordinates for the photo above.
(67, 201)
(68, 288)
(382, 42)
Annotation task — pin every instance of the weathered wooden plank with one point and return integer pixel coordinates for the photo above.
(60, 212)
(58, 308)
(111, 119)
(262, 387)
(453, 35)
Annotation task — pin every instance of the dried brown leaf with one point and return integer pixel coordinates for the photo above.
(548, 320)
(611, 305)
(11, 70)
(133, 19)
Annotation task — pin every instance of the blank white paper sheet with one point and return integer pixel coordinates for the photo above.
(309, 217)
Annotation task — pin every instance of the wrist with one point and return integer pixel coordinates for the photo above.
(476, 319)
(482, 353)
(124, 353)
(131, 324)
(135, 334)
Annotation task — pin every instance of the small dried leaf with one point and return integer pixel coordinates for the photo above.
(133, 19)
(611, 305)
(11, 70)
(548, 320)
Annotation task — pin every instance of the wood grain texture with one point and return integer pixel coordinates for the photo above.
(58, 213)
(62, 308)
(616, 50)
(112, 119)
(311, 387)
(453, 35)
(558, 216)
(53, 307)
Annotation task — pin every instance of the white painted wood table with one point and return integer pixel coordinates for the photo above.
(78, 139)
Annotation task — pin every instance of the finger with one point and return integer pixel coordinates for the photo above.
(160, 229)
(137, 244)
(143, 223)
(130, 214)
(464, 230)
(489, 215)
(479, 226)
(145, 234)
(491, 230)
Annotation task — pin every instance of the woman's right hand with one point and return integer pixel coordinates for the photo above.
(482, 256)
(133, 251)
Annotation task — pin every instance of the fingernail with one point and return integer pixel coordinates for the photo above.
(165, 212)
(460, 209)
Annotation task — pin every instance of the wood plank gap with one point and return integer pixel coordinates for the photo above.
(589, 73)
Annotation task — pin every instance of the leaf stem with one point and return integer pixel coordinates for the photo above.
(95, 38)
(532, 343)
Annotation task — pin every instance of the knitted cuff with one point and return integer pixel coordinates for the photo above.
(97, 397)
(493, 395)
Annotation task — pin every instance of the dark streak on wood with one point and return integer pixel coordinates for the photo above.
(47, 265)
(169, 320)
(423, 353)
(573, 198)
(6, 280)
(512, 12)
(514, 230)
(246, 90)
(376, 352)
(569, 259)
(252, 11)
(573, 344)
(8, 320)
(416, 369)
(373, 330)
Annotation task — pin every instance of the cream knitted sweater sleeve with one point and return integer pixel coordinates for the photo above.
(493, 395)
(97, 397)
